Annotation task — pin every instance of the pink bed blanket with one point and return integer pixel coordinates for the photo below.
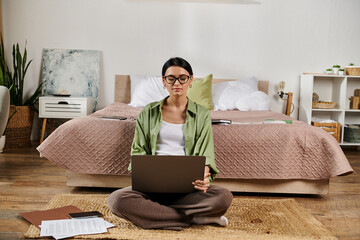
(94, 145)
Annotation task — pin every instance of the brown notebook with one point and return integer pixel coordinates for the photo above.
(53, 214)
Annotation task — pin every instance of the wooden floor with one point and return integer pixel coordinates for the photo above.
(28, 182)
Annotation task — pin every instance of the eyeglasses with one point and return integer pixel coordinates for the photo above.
(182, 79)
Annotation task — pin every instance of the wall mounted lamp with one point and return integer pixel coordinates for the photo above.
(289, 105)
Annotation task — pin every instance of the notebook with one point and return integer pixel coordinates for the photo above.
(36, 217)
(166, 174)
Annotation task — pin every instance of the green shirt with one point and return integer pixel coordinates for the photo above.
(197, 131)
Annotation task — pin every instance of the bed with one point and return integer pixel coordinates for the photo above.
(277, 158)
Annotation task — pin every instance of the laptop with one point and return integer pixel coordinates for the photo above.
(166, 174)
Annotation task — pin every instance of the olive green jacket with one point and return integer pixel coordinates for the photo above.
(197, 131)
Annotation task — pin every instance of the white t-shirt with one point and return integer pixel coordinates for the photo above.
(171, 139)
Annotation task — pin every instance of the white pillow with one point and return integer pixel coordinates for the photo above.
(255, 101)
(240, 94)
(146, 89)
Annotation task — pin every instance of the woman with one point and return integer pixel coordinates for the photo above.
(174, 126)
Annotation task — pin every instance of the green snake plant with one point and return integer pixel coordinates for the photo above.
(5, 74)
(20, 67)
(15, 82)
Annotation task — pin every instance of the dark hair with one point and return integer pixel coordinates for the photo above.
(178, 62)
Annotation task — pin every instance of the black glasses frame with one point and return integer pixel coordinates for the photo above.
(176, 79)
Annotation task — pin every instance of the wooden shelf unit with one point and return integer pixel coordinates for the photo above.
(330, 88)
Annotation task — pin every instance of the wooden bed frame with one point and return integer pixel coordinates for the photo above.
(298, 186)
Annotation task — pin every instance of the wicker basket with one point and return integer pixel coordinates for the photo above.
(18, 130)
(352, 70)
(323, 105)
(352, 135)
(332, 128)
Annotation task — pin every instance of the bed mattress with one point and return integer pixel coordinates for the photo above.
(247, 150)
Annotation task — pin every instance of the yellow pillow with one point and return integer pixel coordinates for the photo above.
(201, 91)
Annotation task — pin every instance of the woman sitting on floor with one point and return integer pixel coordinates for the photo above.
(174, 120)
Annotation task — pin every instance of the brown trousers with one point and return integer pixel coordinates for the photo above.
(168, 211)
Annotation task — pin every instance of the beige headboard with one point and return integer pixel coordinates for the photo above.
(122, 87)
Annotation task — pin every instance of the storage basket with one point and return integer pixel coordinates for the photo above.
(333, 129)
(18, 130)
(354, 71)
(352, 135)
(323, 105)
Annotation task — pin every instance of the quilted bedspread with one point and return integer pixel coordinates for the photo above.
(94, 145)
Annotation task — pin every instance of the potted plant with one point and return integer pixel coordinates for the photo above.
(336, 69)
(341, 71)
(329, 71)
(19, 127)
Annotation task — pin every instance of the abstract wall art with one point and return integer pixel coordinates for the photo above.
(71, 71)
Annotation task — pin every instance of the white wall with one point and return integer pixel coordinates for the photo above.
(275, 40)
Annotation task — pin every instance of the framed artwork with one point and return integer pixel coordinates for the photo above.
(71, 72)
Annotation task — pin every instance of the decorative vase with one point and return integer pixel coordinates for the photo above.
(2, 143)
(19, 128)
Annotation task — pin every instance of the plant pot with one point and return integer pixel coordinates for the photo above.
(341, 73)
(329, 72)
(335, 71)
(19, 128)
(2, 143)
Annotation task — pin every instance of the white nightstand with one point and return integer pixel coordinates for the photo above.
(62, 107)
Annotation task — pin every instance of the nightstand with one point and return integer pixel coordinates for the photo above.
(62, 107)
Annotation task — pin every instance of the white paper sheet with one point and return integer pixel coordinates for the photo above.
(107, 224)
(72, 227)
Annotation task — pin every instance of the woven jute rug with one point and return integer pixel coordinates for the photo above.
(250, 219)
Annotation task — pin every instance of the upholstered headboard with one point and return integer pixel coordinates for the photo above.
(122, 87)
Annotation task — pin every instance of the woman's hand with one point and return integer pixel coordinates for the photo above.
(203, 185)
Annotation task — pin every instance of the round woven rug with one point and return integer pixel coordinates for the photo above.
(250, 219)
